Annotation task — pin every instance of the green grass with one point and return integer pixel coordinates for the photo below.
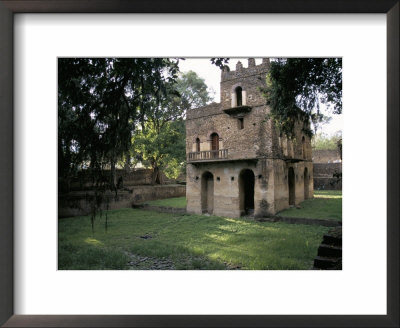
(185, 241)
(179, 202)
(326, 204)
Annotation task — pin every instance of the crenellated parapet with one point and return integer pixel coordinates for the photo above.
(242, 71)
(241, 87)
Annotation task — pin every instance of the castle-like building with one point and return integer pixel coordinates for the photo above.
(238, 163)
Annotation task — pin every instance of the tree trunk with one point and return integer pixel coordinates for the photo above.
(128, 163)
(113, 177)
(157, 176)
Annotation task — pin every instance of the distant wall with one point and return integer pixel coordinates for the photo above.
(325, 156)
(135, 177)
(79, 202)
(324, 176)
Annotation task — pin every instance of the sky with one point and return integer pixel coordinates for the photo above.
(212, 76)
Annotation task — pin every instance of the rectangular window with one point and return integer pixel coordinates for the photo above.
(241, 123)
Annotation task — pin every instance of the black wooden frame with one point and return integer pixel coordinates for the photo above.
(7, 10)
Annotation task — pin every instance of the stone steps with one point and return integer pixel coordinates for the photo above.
(332, 240)
(329, 251)
(327, 263)
(329, 255)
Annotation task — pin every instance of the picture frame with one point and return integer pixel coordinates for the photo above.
(8, 8)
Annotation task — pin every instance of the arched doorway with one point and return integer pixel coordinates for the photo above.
(238, 91)
(306, 183)
(207, 193)
(214, 145)
(246, 192)
(292, 193)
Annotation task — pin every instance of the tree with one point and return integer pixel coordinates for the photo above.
(161, 140)
(296, 87)
(322, 141)
(162, 149)
(100, 101)
(192, 90)
(222, 63)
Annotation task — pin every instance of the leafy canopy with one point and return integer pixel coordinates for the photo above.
(100, 101)
(160, 142)
(322, 141)
(296, 87)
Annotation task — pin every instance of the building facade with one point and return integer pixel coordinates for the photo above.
(237, 161)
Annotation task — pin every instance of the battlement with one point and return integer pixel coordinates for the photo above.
(251, 69)
(242, 86)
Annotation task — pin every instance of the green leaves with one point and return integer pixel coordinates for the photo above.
(161, 139)
(296, 86)
(163, 149)
(192, 90)
(100, 101)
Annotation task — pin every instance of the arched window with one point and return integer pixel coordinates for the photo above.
(303, 145)
(238, 92)
(197, 144)
(214, 141)
(214, 145)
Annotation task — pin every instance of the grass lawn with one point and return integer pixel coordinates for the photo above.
(179, 202)
(138, 239)
(326, 204)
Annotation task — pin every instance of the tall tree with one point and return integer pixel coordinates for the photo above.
(99, 102)
(297, 86)
(161, 141)
(192, 90)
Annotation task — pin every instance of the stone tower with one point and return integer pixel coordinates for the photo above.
(237, 162)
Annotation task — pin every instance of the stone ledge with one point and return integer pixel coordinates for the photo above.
(308, 221)
(163, 209)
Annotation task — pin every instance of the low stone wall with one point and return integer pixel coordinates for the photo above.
(79, 202)
(145, 193)
(134, 177)
(327, 184)
(324, 176)
(163, 209)
(325, 156)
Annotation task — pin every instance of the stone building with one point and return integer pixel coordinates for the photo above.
(237, 161)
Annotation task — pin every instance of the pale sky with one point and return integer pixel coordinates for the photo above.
(212, 76)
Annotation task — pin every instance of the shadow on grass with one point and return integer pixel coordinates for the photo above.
(326, 205)
(188, 241)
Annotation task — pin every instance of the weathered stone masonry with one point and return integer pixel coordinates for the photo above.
(238, 163)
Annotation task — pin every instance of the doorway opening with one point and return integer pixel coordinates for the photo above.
(246, 192)
(207, 193)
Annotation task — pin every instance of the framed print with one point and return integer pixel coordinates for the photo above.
(34, 35)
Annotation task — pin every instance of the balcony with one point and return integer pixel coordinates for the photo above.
(238, 110)
(208, 155)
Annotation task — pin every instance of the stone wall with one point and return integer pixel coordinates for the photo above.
(251, 142)
(324, 178)
(130, 178)
(281, 183)
(271, 191)
(79, 202)
(255, 139)
(249, 78)
(325, 156)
